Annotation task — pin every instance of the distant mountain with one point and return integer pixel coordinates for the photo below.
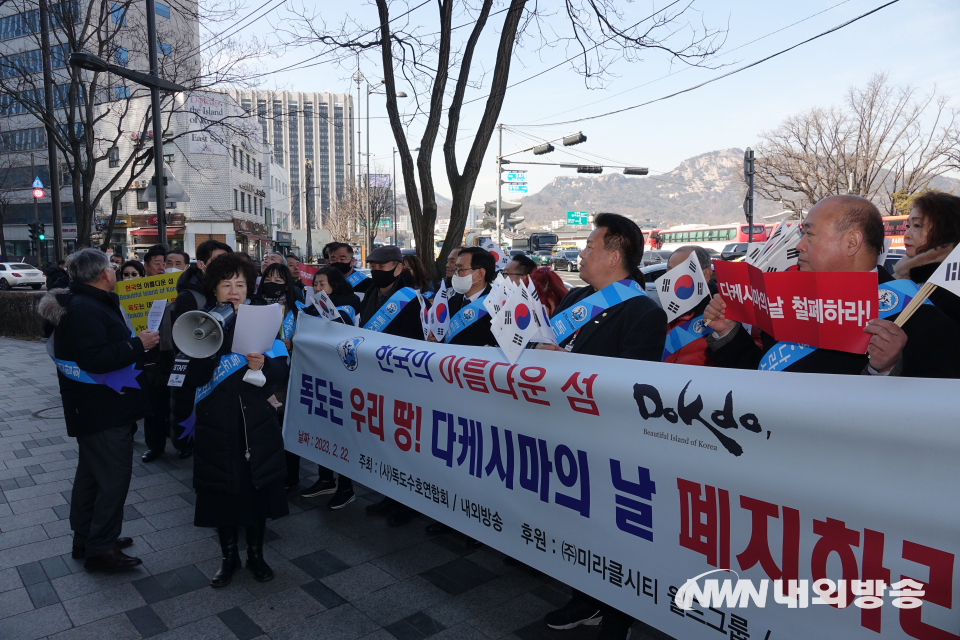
(706, 189)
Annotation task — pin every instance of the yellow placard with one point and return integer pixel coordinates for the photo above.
(137, 295)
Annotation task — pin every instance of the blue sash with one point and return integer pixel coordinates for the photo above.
(390, 309)
(569, 321)
(289, 325)
(683, 334)
(347, 309)
(466, 317)
(356, 278)
(427, 294)
(893, 297)
(116, 380)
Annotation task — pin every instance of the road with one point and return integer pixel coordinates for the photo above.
(572, 279)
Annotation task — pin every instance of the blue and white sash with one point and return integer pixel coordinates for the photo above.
(390, 309)
(347, 309)
(356, 278)
(289, 325)
(893, 297)
(466, 317)
(683, 334)
(568, 322)
(116, 380)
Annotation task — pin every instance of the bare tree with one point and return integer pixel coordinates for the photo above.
(94, 111)
(430, 59)
(883, 140)
(349, 216)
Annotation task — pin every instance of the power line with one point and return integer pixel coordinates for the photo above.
(720, 77)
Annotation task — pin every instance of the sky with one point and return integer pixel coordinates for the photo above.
(913, 41)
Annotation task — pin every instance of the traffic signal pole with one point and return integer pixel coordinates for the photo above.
(48, 124)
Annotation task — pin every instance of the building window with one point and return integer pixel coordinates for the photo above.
(114, 157)
(235, 203)
(118, 14)
(243, 202)
(121, 92)
(168, 148)
(164, 49)
(171, 205)
(260, 172)
(163, 10)
(234, 155)
(141, 205)
(120, 56)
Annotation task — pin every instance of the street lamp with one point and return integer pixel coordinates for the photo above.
(156, 84)
(368, 241)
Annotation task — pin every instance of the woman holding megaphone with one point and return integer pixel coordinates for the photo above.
(239, 465)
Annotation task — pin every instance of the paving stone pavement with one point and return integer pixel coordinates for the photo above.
(339, 575)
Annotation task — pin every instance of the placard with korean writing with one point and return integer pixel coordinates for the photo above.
(626, 479)
(137, 296)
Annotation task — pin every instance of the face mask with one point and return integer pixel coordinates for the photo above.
(461, 284)
(342, 267)
(272, 290)
(172, 270)
(382, 279)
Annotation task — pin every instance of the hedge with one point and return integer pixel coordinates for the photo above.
(18, 315)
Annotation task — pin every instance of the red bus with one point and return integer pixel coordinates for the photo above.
(709, 236)
(893, 228)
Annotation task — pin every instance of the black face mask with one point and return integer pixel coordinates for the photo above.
(342, 267)
(272, 290)
(383, 279)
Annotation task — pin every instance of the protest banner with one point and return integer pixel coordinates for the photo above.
(307, 272)
(137, 296)
(627, 479)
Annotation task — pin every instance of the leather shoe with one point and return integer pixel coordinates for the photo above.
(401, 516)
(150, 455)
(113, 560)
(183, 454)
(437, 528)
(79, 552)
(384, 506)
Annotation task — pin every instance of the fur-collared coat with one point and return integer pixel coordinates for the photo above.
(919, 269)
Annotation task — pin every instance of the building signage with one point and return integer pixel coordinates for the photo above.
(246, 186)
(260, 192)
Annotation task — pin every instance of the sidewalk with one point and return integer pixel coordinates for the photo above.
(339, 575)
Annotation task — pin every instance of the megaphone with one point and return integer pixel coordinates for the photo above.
(199, 334)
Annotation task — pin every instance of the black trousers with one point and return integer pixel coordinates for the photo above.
(611, 615)
(100, 488)
(156, 426)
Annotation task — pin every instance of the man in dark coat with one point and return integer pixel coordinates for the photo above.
(341, 257)
(690, 324)
(633, 329)
(57, 277)
(845, 233)
(192, 278)
(96, 353)
(475, 269)
(386, 267)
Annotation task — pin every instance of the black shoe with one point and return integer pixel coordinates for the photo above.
(378, 508)
(341, 499)
(113, 560)
(230, 557)
(80, 551)
(437, 528)
(183, 454)
(319, 488)
(401, 516)
(615, 631)
(574, 614)
(258, 567)
(150, 455)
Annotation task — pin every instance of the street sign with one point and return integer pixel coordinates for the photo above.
(37, 184)
(578, 217)
(517, 176)
(38, 193)
(385, 223)
(516, 188)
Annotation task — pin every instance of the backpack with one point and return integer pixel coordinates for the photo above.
(168, 350)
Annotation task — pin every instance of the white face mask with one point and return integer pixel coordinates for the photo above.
(461, 284)
(172, 270)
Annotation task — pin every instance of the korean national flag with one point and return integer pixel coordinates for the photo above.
(440, 313)
(328, 310)
(499, 255)
(682, 288)
(947, 274)
(516, 324)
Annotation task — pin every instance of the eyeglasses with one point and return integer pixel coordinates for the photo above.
(131, 274)
(460, 272)
(517, 275)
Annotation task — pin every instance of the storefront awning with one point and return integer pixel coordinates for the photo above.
(152, 231)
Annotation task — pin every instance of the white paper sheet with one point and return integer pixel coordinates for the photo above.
(155, 315)
(256, 329)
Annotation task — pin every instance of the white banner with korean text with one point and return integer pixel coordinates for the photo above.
(627, 479)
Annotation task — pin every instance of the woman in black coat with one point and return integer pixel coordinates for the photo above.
(331, 281)
(933, 231)
(238, 465)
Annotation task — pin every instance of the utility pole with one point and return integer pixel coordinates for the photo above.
(499, 181)
(309, 208)
(394, 180)
(157, 123)
(48, 124)
(748, 201)
(36, 215)
(368, 241)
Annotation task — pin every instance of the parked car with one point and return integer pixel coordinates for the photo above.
(542, 257)
(518, 252)
(17, 274)
(654, 257)
(408, 252)
(893, 257)
(651, 274)
(734, 251)
(566, 261)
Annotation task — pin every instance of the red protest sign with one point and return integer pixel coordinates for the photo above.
(827, 310)
(306, 274)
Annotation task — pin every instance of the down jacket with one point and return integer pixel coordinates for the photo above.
(92, 331)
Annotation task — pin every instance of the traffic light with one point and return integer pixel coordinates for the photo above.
(41, 235)
(33, 231)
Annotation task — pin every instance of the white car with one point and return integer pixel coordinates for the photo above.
(17, 274)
